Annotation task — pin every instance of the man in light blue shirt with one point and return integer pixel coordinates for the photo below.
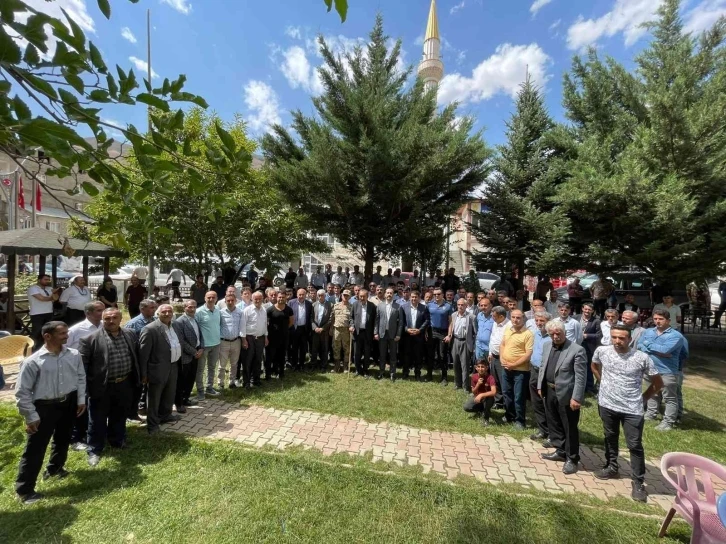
(484, 324)
(573, 329)
(231, 331)
(209, 319)
(665, 347)
(541, 338)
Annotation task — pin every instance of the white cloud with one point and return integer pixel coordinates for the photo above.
(627, 16)
(538, 5)
(503, 72)
(555, 25)
(459, 6)
(704, 15)
(143, 66)
(262, 101)
(293, 32)
(128, 35)
(182, 6)
(299, 73)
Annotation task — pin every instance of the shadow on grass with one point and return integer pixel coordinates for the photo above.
(42, 523)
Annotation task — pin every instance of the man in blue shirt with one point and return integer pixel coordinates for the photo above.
(440, 312)
(665, 347)
(541, 338)
(484, 323)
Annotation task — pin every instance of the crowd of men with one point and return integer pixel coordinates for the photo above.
(225, 337)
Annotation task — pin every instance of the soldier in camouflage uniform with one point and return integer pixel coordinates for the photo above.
(342, 320)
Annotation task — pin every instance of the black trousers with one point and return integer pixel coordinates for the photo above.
(253, 361)
(74, 316)
(299, 346)
(175, 287)
(484, 407)
(134, 310)
(241, 362)
(362, 346)
(185, 382)
(496, 369)
(633, 430)
(442, 351)
(56, 422)
(414, 354)
(36, 324)
(80, 427)
(538, 403)
(160, 400)
(319, 349)
(107, 416)
(388, 350)
(600, 305)
(562, 422)
(275, 355)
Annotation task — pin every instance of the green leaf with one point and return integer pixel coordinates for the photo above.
(226, 138)
(164, 230)
(38, 83)
(31, 56)
(22, 111)
(329, 3)
(8, 9)
(112, 87)
(189, 97)
(99, 95)
(177, 85)
(166, 166)
(341, 6)
(97, 58)
(105, 8)
(79, 38)
(74, 81)
(89, 188)
(153, 100)
(34, 31)
(177, 123)
(5, 87)
(9, 50)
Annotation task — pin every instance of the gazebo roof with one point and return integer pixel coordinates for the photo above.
(37, 241)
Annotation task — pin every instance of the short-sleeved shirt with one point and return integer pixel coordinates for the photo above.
(488, 383)
(516, 344)
(278, 321)
(621, 382)
(674, 311)
(38, 307)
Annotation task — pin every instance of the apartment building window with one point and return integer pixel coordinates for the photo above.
(53, 226)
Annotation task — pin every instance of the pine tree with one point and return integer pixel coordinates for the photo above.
(378, 159)
(521, 227)
(647, 183)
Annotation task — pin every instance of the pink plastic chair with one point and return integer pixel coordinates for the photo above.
(695, 498)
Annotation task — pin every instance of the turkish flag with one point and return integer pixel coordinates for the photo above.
(21, 195)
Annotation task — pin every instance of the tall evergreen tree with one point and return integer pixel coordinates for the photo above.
(378, 159)
(647, 185)
(520, 226)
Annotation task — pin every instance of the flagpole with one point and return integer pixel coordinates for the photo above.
(17, 199)
(149, 239)
(34, 200)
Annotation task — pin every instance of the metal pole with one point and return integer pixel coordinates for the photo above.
(34, 200)
(149, 239)
(16, 186)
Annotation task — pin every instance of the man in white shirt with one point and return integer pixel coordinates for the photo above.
(552, 305)
(318, 280)
(255, 340)
(356, 277)
(75, 297)
(377, 277)
(40, 302)
(611, 318)
(573, 328)
(301, 280)
(231, 290)
(672, 308)
(501, 323)
(175, 278)
(141, 272)
(339, 278)
(93, 312)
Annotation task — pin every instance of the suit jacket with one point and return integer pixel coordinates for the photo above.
(570, 373)
(422, 317)
(94, 353)
(368, 327)
(470, 330)
(392, 327)
(154, 353)
(187, 338)
(308, 314)
(591, 343)
(325, 321)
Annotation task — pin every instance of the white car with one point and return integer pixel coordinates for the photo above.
(715, 296)
(486, 280)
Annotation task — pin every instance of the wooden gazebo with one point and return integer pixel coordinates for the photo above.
(45, 243)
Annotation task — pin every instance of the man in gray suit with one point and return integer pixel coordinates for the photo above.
(562, 379)
(461, 337)
(364, 320)
(192, 344)
(321, 331)
(159, 357)
(388, 331)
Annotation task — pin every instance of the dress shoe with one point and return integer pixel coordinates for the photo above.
(190, 402)
(606, 473)
(547, 444)
(30, 498)
(539, 435)
(60, 474)
(554, 456)
(181, 409)
(171, 418)
(570, 467)
(93, 460)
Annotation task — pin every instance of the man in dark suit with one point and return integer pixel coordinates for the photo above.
(321, 323)
(388, 331)
(159, 358)
(112, 371)
(364, 320)
(561, 383)
(415, 321)
(591, 336)
(302, 310)
(192, 344)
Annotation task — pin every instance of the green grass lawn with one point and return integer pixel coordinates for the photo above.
(176, 489)
(431, 406)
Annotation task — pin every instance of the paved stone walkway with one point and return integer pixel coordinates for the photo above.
(491, 459)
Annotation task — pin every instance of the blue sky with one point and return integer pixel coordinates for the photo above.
(258, 58)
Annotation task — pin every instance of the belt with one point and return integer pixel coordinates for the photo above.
(118, 380)
(59, 400)
(256, 337)
(232, 340)
(440, 330)
(550, 385)
(459, 337)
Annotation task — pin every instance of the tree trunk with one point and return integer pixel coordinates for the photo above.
(369, 256)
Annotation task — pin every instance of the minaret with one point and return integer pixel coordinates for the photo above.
(431, 69)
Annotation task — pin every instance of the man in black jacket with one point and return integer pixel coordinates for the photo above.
(591, 336)
(112, 370)
(364, 319)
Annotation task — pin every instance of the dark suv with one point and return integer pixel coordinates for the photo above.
(633, 283)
